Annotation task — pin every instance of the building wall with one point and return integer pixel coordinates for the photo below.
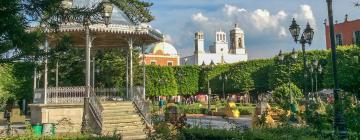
(346, 29)
(161, 60)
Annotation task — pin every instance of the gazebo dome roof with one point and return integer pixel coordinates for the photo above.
(118, 16)
(162, 48)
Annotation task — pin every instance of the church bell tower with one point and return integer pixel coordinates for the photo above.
(237, 41)
(199, 42)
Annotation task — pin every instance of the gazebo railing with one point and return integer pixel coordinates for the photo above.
(142, 105)
(96, 109)
(113, 94)
(75, 95)
(65, 95)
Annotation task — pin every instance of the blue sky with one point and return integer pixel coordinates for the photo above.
(265, 22)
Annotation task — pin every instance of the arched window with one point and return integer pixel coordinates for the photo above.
(240, 43)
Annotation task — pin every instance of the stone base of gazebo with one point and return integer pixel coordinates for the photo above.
(66, 117)
(108, 111)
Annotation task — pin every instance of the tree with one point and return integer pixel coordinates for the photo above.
(6, 80)
(160, 81)
(187, 78)
(17, 15)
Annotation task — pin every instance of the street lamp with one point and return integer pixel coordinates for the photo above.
(306, 38)
(293, 57)
(211, 66)
(107, 11)
(223, 78)
(339, 121)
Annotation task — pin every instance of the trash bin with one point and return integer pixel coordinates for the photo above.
(48, 129)
(37, 129)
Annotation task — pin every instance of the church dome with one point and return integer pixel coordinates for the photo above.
(237, 29)
(162, 48)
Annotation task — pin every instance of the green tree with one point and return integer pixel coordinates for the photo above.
(17, 15)
(160, 81)
(6, 80)
(187, 78)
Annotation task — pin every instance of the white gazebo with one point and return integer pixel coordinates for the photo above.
(83, 105)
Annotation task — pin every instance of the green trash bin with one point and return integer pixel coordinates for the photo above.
(37, 129)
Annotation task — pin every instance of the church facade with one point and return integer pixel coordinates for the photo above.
(219, 51)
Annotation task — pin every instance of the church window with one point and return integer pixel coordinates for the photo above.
(240, 43)
(357, 37)
(338, 39)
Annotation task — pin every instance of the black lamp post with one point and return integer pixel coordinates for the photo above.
(211, 66)
(315, 68)
(223, 78)
(339, 121)
(306, 38)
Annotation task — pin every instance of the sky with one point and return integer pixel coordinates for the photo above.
(265, 22)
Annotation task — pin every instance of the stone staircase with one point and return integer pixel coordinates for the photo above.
(122, 118)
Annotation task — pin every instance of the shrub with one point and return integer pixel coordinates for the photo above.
(282, 95)
(280, 133)
(246, 110)
(208, 134)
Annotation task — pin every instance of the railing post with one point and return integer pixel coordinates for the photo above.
(46, 45)
(131, 43)
(84, 125)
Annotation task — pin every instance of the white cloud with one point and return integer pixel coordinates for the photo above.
(262, 19)
(199, 17)
(282, 32)
(305, 14)
(231, 10)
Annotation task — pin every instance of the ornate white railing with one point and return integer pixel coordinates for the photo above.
(142, 105)
(75, 95)
(113, 94)
(96, 109)
(65, 95)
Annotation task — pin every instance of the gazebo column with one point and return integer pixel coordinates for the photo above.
(144, 71)
(127, 75)
(87, 61)
(46, 46)
(131, 43)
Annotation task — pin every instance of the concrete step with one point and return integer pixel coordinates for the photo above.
(118, 110)
(120, 120)
(124, 128)
(110, 104)
(124, 116)
(118, 107)
(105, 125)
(119, 114)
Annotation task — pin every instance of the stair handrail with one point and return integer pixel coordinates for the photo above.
(96, 108)
(142, 105)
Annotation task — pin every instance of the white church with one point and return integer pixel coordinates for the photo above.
(219, 51)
